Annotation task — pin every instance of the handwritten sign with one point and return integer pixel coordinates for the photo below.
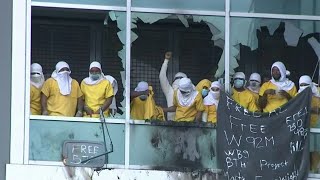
(264, 146)
(77, 152)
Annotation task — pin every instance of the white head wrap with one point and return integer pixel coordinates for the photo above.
(211, 98)
(240, 75)
(114, 84)
(255, 77)
(175, 83)
(283, 83)
(307, 80)
(36, 68)
(180, 74)
(186, 85)
(63, 78)
(142, 86)
(88, 80)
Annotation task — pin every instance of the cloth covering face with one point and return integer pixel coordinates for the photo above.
(213, 96)
(186, 99)
(63, 78)
(36, 80)
(307, 80)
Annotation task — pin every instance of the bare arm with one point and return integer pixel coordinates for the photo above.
(198, 116)
(80, 106)
(44, 99)
(170, 109)
(106, 103)
(285, 94)
(263, 100)
(134, 94)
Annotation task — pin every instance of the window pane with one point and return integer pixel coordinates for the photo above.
(303, 7)
(196, 44)
(215, 5)
(80, 37)
(256, 43)
(173, 147)
(47, 138)
(88, 2)
(314, 153)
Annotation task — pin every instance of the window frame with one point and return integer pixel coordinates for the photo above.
(21, 59)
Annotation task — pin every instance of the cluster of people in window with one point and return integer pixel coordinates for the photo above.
(61, 95)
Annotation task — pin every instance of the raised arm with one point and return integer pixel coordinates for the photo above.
(164, 82)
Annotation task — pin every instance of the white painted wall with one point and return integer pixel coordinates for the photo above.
(36, 172)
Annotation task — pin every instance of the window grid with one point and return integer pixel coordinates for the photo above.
(227, 14)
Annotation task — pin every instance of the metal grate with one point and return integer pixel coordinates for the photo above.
(147, 58)
(110, 61)
(52, 43)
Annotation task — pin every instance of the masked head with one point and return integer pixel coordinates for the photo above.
(95, 71)
(215, 90)
(278, 71)
(255, 81)
(177, 78)
(186, 87)
(304, 82)
(239, 80)
(36, 73)
(62, 68)
(203, 87)
(142, 86)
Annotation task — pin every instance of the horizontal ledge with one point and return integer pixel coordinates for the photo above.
(122, 121)
(77, 6)
(178, 11)
(75, 119)
(274, 16)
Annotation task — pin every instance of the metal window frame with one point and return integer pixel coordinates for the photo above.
(21, 54)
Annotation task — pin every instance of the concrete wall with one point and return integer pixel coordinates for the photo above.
(5, 79)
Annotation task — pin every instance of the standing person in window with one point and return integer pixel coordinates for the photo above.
(143, 106)
(97, 92)
(211, 103)
(113, 106)
(61, 95)
(278, 91)
(36, 82)
(304, 82)
(168, 89)
(187, 102)
(241, 95)
(254, 87)
(203, 87)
